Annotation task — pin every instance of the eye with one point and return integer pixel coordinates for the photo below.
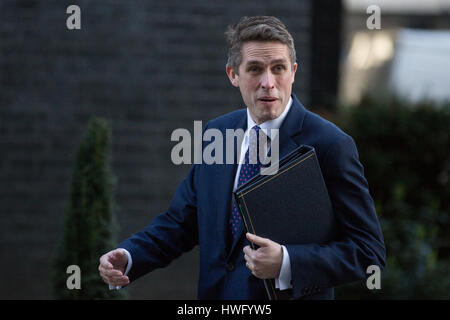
(279, 68)
(254, 69)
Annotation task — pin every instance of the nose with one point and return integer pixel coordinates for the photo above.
(267, 81)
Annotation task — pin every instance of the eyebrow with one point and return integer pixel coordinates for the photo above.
(276, 61)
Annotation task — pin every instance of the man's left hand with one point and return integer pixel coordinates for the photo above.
(265, 262)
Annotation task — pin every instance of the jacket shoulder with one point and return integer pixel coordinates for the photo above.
(324, 127)
(323, 134)
(224, 121)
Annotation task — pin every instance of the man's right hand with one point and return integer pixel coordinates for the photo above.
(112, 266)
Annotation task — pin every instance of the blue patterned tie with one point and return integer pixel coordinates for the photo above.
(249, 168)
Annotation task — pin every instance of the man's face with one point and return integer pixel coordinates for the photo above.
(265, 78)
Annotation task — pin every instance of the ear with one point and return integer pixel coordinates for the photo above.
(234, 78)
(294, 69)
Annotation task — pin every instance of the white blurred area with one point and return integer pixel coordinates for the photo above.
(399, 6)
(421, 66)
(408, 56)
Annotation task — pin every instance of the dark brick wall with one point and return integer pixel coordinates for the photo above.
(149, 67)
(325, 47)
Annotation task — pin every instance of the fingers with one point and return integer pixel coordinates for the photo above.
(249, 264)
(108, 272)
(113, 277)
(266, 261)
(116, 259)
(248, 251)
(108, 268)
(104, 262)
(249, 256)
(123, 281)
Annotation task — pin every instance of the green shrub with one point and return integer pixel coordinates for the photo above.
(89, 226)
(405, 150)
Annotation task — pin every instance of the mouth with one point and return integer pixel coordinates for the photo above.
(267, 99)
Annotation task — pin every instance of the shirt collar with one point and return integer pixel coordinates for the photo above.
(270, 124)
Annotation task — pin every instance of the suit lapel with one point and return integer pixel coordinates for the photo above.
(290, 128)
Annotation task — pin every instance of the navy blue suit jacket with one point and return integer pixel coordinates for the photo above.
(199, 211)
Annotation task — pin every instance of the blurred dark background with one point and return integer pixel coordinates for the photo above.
(148, 67)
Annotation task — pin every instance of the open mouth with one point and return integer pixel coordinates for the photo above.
(267, 99)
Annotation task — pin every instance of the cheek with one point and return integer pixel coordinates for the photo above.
(249, 87)
(251, 84)
(286, 84)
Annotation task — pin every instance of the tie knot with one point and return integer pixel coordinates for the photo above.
(257, 129)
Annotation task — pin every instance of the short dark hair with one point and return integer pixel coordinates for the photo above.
(258, 28)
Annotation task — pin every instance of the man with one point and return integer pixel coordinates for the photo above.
(262, 65)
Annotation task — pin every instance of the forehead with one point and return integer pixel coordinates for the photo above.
(264, 51)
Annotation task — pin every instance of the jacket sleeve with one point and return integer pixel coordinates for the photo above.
(168, 235)
(360, 245)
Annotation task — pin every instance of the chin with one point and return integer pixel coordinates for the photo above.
(268, 112)
(274, 113)
(269, 115)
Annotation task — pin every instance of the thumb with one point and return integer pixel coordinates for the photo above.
(259, 241)
(119, 255)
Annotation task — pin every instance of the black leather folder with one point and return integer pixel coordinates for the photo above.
(289, 206)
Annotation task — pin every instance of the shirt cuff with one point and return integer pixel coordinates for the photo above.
(129, 264)
(283, 281)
